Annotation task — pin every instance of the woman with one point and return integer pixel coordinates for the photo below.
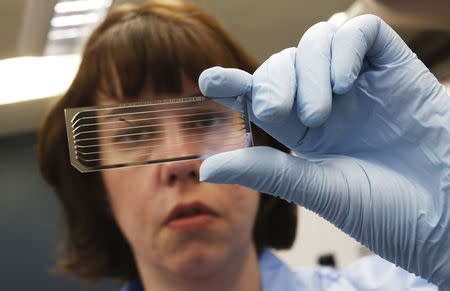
(119, 224)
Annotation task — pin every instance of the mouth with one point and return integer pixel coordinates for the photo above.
(190, 217)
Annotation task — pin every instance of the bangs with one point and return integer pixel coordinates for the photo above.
(150, 48)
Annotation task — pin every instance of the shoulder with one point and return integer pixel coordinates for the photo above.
(275, 275)
(369, 273)
(134, 285)
(375, 273)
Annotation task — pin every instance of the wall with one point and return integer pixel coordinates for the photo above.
(29, 223)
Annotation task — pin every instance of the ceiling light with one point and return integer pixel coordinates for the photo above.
(29, 78)
(81, 5)
(74, 20)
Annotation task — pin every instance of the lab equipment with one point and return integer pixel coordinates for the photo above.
(155, 131)
(370, 126)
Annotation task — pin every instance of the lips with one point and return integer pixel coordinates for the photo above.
(190, 216)
(189, 210)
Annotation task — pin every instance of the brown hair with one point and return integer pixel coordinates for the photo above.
(155, 42)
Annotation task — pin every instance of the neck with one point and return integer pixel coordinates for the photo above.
(238, 272)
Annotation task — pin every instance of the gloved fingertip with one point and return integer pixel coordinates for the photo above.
(313, 116)
(342, 80)
(210, 169)
(204, 173)
(224, 82)
(351, 43)
(209, 79)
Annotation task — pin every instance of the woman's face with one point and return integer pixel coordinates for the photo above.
(173, 222)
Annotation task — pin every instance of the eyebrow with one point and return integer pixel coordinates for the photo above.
(118, 114)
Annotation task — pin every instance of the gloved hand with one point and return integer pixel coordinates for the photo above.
(370, 126)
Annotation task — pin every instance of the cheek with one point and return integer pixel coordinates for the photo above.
(131, 194)
(248, 198)
(242, 205)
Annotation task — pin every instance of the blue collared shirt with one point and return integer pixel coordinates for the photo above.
(369, 273)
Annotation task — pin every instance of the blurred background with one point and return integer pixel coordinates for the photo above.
(40, 42)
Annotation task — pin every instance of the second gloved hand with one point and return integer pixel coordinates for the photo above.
(370, 126)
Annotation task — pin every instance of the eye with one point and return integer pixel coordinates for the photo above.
(207, 123)
(135, 135)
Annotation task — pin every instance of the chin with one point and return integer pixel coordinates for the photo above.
(199, 261)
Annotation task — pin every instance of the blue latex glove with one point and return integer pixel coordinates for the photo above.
(371, 129)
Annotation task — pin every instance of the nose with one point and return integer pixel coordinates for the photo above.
(182, 172)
